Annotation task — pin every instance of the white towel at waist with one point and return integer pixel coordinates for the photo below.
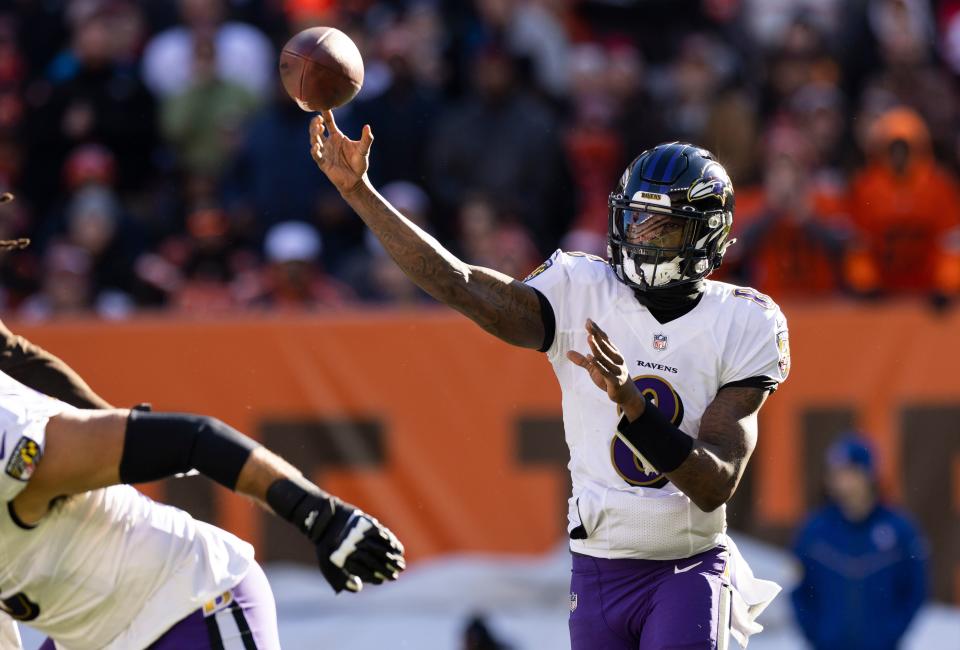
(750, 597)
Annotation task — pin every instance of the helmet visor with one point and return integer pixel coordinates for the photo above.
(654, 229)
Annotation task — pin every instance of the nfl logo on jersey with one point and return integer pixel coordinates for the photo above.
(573, 602)
(659, 342)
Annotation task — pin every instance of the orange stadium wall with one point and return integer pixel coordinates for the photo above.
(455, 441)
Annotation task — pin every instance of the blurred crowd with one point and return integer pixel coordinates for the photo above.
(159, 165)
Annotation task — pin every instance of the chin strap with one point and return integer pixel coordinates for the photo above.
(718, 256)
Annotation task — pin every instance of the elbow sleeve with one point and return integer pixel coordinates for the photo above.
(158, 445)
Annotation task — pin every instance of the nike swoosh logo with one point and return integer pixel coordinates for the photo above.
(677, 569)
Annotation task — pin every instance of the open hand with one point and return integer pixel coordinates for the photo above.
(344, 161)
(608, 370)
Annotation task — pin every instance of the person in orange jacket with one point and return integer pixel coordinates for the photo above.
(906, 209)
(794, 228)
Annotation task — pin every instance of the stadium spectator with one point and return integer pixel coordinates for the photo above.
(818, 111)
(477, 636)
(67, 286)
(864, 563)
(637, 118)
(792, 231)
(204, 270)
(128, 32)
(95, 101)
(502, 142)
(491, 237)
(704, 105)
(204, 122)
(293, 277)
(904, 33)
(244, 55)
(538, 31)
(594, 149)
(90, 164)
(268, 160)
(904, 205)
(95, 223)
(799, 57)
(767, 21)
(370, 270)
(405, 106)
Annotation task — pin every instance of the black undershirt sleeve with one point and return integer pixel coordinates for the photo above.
(762, 382)
(549, 321)
(18, 522)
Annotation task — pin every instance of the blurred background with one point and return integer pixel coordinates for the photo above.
(187, 252)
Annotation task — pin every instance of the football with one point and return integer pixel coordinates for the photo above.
(321, 68)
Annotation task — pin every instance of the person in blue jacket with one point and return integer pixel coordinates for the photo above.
(864, 563)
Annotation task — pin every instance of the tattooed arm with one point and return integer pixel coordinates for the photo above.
(508, 309)
(707, 469)
(728, 433)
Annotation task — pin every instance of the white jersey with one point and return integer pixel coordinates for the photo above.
(9, 633)
(109, 569)
(732, 335)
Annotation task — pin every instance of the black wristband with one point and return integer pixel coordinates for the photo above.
(303, 504)
(654, 437)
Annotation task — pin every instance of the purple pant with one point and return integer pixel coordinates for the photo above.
(246, 619)
(650, 604)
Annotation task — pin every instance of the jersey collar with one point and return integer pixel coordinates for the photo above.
(671, 303)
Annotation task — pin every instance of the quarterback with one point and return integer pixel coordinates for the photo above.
(94, 564)
(662, 372)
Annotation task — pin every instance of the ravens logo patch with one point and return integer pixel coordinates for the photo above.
(540, 269)
(23, 460)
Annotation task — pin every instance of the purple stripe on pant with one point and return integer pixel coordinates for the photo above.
(256, 604)
(624, 604)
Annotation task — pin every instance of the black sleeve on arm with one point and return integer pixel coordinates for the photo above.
(549, 321)
(762, 382)
(158, 445)
(36, 368)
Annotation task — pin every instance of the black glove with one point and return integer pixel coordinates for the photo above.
(352, 547)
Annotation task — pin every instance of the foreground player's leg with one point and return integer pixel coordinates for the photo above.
(244, 618)
(690, 609)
